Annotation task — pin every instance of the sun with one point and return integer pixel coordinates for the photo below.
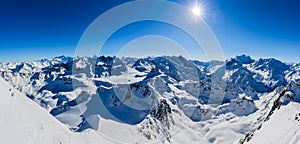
(198, 10)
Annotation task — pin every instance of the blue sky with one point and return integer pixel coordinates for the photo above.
(35, 29)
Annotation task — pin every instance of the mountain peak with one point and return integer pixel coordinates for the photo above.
(244, 59)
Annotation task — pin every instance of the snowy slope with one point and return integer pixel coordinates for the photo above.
(282, 128)
(24, 122)
(282, 123)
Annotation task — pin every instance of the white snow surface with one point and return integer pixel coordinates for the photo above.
(282, 128)
(24, 122)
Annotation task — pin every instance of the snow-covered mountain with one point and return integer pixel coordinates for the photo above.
(158, 99)
(282, 122)
(23, 121)
(282, 128)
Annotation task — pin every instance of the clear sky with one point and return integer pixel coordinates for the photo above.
(36, 29)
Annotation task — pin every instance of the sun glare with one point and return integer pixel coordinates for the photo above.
(198, 10)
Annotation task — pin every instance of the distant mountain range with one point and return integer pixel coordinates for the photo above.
(164, 99)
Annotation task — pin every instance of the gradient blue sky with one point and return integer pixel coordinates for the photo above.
(36, 29)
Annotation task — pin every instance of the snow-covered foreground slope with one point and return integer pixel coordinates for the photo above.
(282, 128)
(282, 125)
(24, 122)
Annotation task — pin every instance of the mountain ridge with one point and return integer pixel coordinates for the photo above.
(155, 94)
